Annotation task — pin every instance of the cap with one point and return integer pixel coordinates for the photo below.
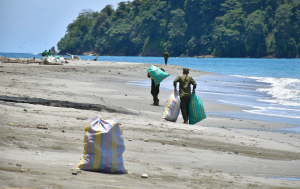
(186, 70)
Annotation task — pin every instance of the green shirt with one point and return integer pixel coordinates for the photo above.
(44, 53)
(185, 83)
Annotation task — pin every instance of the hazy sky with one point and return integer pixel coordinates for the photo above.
(32, 26)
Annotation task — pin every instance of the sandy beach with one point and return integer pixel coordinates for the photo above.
(44, 108)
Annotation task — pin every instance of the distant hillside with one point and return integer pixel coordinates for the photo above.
(222, 28)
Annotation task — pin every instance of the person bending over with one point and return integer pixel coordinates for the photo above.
(155, 90)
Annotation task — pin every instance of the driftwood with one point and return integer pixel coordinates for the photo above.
(28, 61)
(3, 58)
(13, 61)
(73, 57)
(22, 61)
(34, 61)
(95, 59)
(49, 63)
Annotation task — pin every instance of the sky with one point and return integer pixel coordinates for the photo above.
(32, 26)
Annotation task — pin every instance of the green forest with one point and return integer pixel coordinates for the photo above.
(221, 28)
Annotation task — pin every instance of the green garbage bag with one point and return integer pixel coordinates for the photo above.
(196, 110)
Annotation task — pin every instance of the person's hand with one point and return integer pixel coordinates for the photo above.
(193, 90)
(174, 89)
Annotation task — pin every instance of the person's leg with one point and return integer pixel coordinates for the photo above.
(166, 61)
(187, 109)
(183, 107)
(155, 99)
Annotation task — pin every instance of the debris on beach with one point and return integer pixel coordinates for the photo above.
(25, 61)
(73, 57)
(41, 126)
(43, 61)
(81, 118)
(3, 58)
(144, 176)
(49, 63)
(95, 59)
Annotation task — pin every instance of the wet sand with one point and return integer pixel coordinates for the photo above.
(44, 108)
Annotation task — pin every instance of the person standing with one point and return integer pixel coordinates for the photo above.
(49, 53)
(45, 53)
(166, 56)
(185, 83)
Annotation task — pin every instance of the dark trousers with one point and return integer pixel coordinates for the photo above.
(155, 95)
(184, 106)
(166, 61)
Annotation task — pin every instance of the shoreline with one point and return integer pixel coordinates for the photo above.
(181, 56)
(203, 155)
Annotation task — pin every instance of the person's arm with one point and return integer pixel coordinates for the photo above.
(148, 75)
(175, 82)
(194, 84)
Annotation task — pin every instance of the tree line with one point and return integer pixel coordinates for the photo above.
(222, 28)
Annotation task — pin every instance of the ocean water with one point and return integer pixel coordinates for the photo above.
(266, 88)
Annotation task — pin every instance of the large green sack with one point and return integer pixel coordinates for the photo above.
(196, 110)
(157, 74)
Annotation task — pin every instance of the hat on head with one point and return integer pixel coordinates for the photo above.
(186, 70)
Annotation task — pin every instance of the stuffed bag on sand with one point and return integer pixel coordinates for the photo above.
(103, 147)
(172, 107)
(196, 110)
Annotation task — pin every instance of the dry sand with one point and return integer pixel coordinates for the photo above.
(65, 98)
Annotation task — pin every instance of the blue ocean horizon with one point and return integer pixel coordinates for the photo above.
(266, 88)
(255, 67)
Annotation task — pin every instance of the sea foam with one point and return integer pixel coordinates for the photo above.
(285, 91)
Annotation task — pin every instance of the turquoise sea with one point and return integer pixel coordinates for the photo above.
(266, 88)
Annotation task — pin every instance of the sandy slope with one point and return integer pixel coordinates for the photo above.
(66, 98)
